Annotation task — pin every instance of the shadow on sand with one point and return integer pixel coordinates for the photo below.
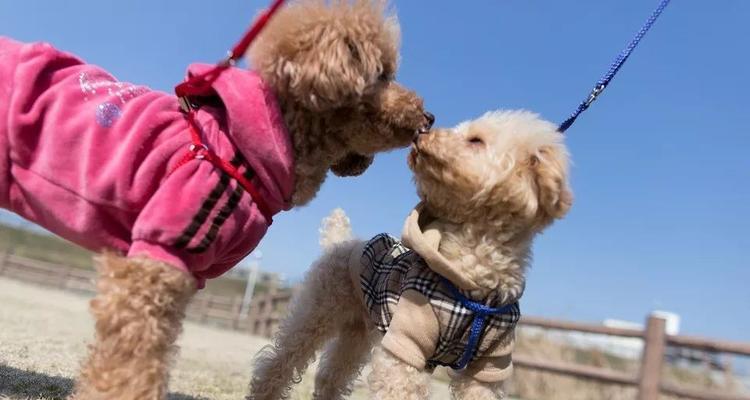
(20, 384)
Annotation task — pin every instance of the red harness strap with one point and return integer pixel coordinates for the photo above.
(199, 151)
(201, 85)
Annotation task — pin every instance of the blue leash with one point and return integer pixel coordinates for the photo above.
(616, 65)
(481, 312)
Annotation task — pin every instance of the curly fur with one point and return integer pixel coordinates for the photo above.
(317, 315)
(469, 389)
(333, 67)
(352, 165)
(138, 310)
(336, 229)
(391, 378)
(491, 184)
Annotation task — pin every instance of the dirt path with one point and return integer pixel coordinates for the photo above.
(43, 335)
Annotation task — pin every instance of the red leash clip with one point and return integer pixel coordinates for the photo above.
(201, 85)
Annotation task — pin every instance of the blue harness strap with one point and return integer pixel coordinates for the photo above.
(616, 65)
(481, 312)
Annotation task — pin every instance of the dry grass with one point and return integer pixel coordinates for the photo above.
(43, 336)
(545, 386)
(44, 247)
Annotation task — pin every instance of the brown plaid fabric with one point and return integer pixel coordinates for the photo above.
(390, 269)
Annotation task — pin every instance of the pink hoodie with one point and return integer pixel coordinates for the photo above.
(88, 158)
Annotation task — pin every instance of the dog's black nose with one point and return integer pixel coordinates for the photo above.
(430, 118)
(426, 127)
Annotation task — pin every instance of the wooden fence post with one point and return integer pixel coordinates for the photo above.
(652, 359)
(4, 261)
(208, 301)
(269, 311)
(64, 278)
(252, 313)
(236, 311)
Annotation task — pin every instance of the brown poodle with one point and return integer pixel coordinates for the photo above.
(323, 95)
(334, 70)
(487, 188)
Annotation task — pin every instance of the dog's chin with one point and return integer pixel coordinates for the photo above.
(403, 136)
(421, 157)
(420, 162)
(411, 159)
(422, 167)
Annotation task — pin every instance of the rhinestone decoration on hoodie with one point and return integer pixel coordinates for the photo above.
(118, 93)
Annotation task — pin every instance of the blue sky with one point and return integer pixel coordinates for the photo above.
(661, 169)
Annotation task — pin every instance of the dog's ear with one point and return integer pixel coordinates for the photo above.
(352, 165)
(550, 168)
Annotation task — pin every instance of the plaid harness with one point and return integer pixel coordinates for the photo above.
(468, 329)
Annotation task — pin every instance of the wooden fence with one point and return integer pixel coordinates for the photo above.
(261, 319)
(649, 378)
(267, 308)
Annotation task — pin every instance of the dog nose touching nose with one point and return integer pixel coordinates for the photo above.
(426, 127)
(430, 118)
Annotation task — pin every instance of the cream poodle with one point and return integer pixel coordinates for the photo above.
(113, 166)
(448, 293)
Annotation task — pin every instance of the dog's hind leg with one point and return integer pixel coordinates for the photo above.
(316, 314)
(343, 360)
(138, 311)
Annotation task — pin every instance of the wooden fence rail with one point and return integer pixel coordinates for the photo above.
(262, 319)
(648, 380)
(268, 308)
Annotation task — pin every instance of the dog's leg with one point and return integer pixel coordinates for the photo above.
(326, 300)
(342, 362)
(392, 379)
(138, 310)
(466, 388)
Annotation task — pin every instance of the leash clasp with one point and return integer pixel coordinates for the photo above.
(230, 60)
(594, 94)
(186, 106)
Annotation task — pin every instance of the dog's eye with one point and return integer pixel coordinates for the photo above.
(384, 77)
(353, 50)
(476, 140)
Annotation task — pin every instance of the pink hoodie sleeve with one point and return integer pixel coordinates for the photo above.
(8, 60)
(198, 222)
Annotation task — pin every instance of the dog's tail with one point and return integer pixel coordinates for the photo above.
(335, 229)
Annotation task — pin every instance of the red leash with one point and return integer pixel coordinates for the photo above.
(200, 85)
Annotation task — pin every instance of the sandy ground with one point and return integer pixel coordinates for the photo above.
(43, 336)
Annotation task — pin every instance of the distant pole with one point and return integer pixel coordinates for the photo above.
(252, 279)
